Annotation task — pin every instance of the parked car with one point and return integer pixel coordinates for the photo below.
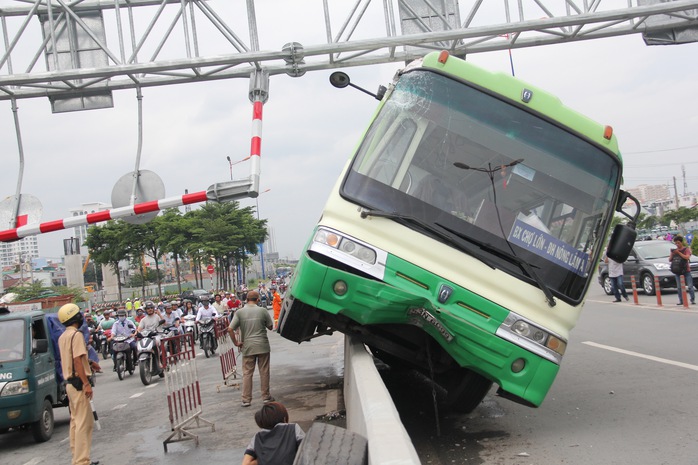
(647, 260)
(195, 295)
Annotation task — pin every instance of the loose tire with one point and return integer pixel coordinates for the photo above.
(146, 373)
(607, 287)
(331, 445)
(648, 284)
(120, 368)
(42, 429)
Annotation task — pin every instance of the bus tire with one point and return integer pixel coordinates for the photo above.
(42, 429)
(297, 321)
(466, 390)
(326, 444)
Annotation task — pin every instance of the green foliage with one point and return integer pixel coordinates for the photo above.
(38, 291)
(217, 233)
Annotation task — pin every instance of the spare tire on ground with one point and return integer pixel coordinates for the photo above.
(326, 444)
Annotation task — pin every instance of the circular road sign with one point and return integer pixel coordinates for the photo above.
(210, 269)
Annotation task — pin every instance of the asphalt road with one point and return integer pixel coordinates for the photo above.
(135, 421)
(626, 395)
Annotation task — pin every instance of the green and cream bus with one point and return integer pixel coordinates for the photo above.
(462, 236)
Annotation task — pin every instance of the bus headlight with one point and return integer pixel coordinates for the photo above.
(525, 334)
(349, 247)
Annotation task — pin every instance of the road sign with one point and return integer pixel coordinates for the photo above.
(210, 269)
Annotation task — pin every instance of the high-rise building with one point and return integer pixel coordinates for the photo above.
(81, 231)
(650, 193)
(21, 251)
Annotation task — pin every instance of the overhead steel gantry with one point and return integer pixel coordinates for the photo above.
(78, 52)
(52, 48)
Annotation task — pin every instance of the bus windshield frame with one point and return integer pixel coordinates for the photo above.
(462, 159)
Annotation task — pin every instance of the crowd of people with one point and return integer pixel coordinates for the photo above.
(247, 315)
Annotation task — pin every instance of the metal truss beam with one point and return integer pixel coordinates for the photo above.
(161, 42)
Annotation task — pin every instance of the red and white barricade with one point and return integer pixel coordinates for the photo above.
(178, 356)
(226, 349)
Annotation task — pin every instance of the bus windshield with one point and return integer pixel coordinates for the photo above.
(458, 158)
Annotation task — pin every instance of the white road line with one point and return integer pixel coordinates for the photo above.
(119, 407)
(35, 460)
(648, 357)
(138, 394)
(66, 440)
(151, 385)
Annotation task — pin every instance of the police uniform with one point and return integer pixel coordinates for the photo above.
(72, 345)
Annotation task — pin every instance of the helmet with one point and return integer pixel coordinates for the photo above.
(273, 287)
(67, 313)
(167, 305)
(205, 298)
(121, 312)
(150, 304)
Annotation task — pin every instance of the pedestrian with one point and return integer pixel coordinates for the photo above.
(253, 322)
(680, 259)
(278, 441)
(276, 305)
(77, 371)
(615, 274)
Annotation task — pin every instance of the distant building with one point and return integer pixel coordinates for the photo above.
(21, 251)
(81, 231)
(650, 193)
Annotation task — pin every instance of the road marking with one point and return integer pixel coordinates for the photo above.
(648, 357)
(151, 385)
(138, 394)
(65, 440)
(35, 460)
(119, 407)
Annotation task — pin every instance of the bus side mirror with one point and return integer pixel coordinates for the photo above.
(40, 346)
(621, 243)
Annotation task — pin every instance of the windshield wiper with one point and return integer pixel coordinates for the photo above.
(448, 237)
(528, 269)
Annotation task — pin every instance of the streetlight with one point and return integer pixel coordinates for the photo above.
(231, 163)
(261, 246)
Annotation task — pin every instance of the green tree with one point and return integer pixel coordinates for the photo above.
(107, 246)
(175, 236)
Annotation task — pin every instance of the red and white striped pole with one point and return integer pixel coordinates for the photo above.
(259, 93)
(98, 217)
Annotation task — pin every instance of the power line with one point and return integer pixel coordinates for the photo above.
(662, 150)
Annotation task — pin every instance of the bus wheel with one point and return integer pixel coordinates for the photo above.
(465, 390)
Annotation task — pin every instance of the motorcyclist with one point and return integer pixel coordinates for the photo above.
(206, 310)
(124, 327)
(151, 322)
(108, 320)
(172, 318)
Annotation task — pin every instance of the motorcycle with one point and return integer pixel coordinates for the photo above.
(104, 343)
(190, 326)
(124, 356)
(149, 357)
(208, 336)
